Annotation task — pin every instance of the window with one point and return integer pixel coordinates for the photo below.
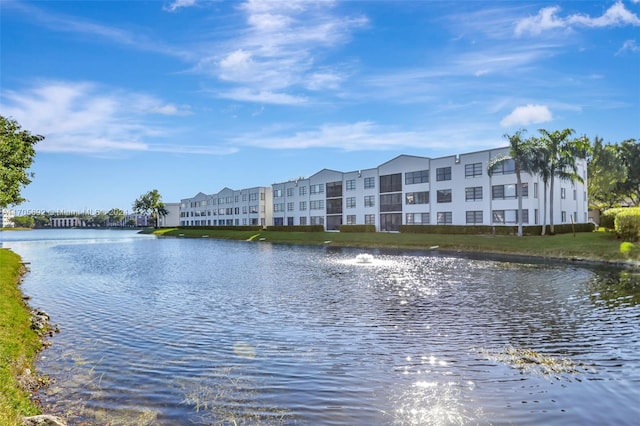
(317, 220)
(317, 189)
(302, 190)
(289, 192)
(351, 219)
(535, 190)
(417, 197)
(316, 205)
(303, 220)
(472, 170)
(351, 185)
(420, 176)
(253, 196)
(277, 193)
(417, 218)
(369, 200)
(445, 218)
(474, 217)
(334, 206)
(303, 206)
(505, 168)
(443, 173)
(369, 219)
(575, 194)
(390, 221)
(391, 183)
(444, 196)
(504, 192)
(290, 207)
(369, 182)
(351, 202)
(563, 193)
(244, 197)
(391, 202)
(334, 189)
(509, 216)
(473, 193)
(278, 207)
(563, 216)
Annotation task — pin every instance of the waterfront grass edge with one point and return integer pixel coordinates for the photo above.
(19, 345)
(598, 246)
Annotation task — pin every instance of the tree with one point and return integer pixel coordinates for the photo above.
(562, 154)
(100, 219)
(16, 156)
(629, 154)
(24, 221)
(116, 216)
(150, 203)
(521, 154)
(605, 173)
(540, 162)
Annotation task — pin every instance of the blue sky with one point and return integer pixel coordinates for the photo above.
(187, 96)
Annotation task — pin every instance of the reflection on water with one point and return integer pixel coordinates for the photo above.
(198, 331)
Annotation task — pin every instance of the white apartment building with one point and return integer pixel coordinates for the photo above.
(453, 190)
(172, 218)
(245, 207)
(6, 218)
(67, 222)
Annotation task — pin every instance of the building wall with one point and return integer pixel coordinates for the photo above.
(228, 207)
(6, 218)
(67, 222)
(172, 218)
(407, 189)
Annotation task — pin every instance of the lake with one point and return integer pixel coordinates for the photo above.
(177, 331)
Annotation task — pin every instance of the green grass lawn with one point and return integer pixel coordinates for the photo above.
(19, 344)
(593, 246)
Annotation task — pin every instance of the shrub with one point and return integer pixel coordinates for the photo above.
(225, 227)
(627, 224)
(608, 217)
(296, 228)
(357, 228)
(494, 230)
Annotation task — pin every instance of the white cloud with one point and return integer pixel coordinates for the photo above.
(83, 117)
(71, 24)
(529, 114)
(261, 96)
(362, 136)
(177, 4)
(547, 19)
(277, 52)
(628, 46)
(543, 21)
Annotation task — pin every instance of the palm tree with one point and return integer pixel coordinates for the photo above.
(151, 202)
(540, 162)
(521, 154)
(561, 154)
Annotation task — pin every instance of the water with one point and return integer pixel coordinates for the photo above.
(201, 331)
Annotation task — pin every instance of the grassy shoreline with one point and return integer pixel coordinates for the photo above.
(598, 246)
(19, 344)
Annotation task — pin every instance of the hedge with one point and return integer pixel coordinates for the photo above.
(296, 228)
(494, 230)
(357, 228)
(627, 224)
(225, 228)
